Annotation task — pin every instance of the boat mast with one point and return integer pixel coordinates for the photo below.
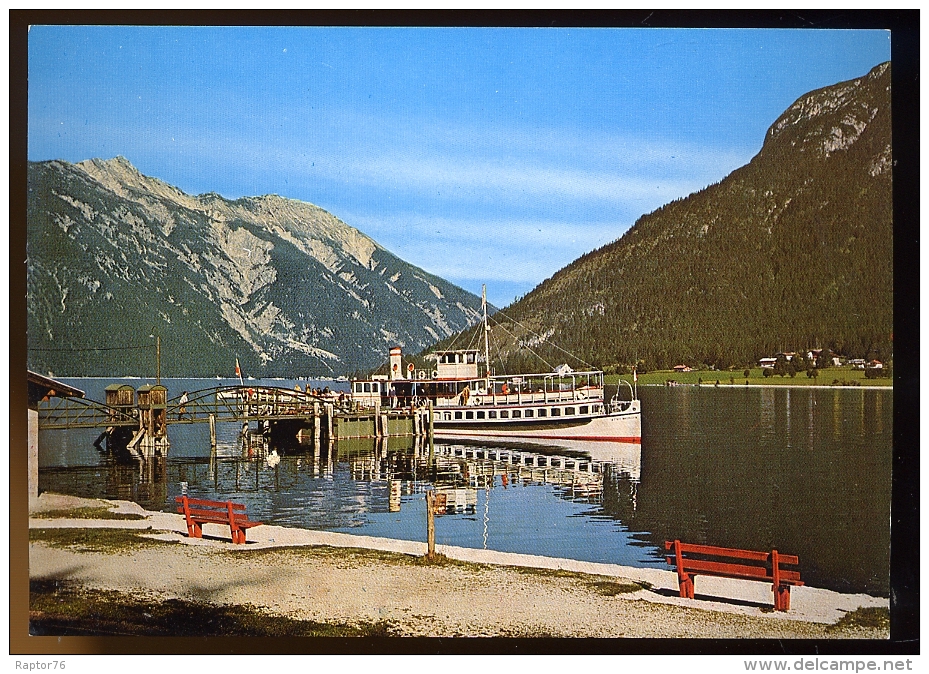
(486, 333)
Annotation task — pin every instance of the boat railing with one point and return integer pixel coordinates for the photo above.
(579, 395)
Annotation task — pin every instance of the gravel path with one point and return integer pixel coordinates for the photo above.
(345, 579)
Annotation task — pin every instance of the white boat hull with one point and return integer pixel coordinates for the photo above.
(621, 427)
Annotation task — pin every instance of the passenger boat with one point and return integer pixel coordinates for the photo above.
(470, 401)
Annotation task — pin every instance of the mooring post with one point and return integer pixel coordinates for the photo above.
(212, 431)
(430, 525)
(330, 411)
(431, 434)
(316, 424)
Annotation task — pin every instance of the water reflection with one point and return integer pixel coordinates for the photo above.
(806, 471)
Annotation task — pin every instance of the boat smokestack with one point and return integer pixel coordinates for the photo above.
(396, 363)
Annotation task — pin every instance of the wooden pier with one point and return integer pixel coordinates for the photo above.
(138, 421)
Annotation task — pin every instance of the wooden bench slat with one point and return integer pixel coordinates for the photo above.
(707, 568)
(221, 520)
(215, 516)
(214, 504)
(213, 513)
(715, 551)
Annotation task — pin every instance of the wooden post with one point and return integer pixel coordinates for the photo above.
(430, 525)
(316, 424)
(212, 432)
(330, 411)
(431, 434)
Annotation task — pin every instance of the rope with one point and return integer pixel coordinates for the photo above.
(525, 347)
(544, 339)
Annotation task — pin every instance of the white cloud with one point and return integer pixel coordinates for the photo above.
(506, 250)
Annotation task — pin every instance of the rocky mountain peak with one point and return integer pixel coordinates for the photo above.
(283, 285)
(833, 118)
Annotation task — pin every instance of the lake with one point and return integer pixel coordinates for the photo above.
(805, 470)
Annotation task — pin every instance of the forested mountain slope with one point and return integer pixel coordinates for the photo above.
(792, 251)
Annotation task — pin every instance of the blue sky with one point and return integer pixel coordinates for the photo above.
(491, 156)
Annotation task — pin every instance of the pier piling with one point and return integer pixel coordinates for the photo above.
(330, 411)
(431, 434)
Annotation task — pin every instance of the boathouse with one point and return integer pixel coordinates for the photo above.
(41, 388)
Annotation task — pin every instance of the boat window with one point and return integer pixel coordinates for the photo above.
(584, 409)
(504, 414)
(480, 414)
(543, 412)
(375, 387)
(448, 416)
(530, 413)
(596, 409)
(357, 387)
(457, 415)
(469, 415)
(367, 387)
(492, 414)
(568, 410)
(556, 412)
(470, 357)
(517, 414)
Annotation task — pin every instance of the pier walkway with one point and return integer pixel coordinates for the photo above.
(223, 403)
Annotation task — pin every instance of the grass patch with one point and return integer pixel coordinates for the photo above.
(358, 555)
(549, 573)
(831, 376)
(875, 617)
(94, 540)
(57, 609)
(99, 513)
(611, 588)
(443, 561)
(604, 585)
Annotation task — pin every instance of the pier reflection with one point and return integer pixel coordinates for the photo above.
(807, 472)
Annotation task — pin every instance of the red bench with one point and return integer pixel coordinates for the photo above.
(198, 511)
(707, 560)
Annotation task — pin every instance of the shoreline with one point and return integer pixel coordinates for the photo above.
(889, 387)
(435, 595)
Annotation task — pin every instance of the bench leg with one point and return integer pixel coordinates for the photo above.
(782, 598)
(685, 583)
(195, 530)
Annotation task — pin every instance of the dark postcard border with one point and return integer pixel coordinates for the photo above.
(904, 26)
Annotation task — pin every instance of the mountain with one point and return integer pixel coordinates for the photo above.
(284, 286)
(792, 251)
